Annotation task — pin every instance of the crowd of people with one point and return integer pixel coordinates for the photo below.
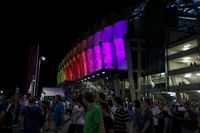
(98, 113)
(109, 114)
(14, 108)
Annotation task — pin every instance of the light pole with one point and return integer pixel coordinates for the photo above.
(42, 58)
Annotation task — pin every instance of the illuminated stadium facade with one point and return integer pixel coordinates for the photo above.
(131, 56)
(103, 50)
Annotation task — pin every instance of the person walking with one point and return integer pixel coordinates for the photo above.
(94, 117)
(137, 117)
(31, 114)
(163, 119)
(77, 118)
(108, 121)
(147, 117)
(121, 117)
(58, 113)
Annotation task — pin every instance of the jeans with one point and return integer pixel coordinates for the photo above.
(79, 128)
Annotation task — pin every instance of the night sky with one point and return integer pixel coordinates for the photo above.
(55, 26)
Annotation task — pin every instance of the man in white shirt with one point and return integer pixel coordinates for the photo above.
(156, 111)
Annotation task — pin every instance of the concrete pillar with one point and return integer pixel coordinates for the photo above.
(139, 68)
(130, 69)
(198, 41)
(114, 55)
(123, 90)
(198, 33)
(117, 85)
(166, 59)
(179, 99)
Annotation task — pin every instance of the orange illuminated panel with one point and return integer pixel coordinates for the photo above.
(70, 70)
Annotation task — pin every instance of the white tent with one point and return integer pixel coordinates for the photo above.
(47, 91)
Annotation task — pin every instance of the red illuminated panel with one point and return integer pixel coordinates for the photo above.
(83, 54)
(65, 71)
(78, 66)
(74, 69)
(81, 65)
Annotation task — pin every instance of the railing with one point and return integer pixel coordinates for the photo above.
(184, 70)
(185, 87)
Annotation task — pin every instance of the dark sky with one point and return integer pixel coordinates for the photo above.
(55, 26)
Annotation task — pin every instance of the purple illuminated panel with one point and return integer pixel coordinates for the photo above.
(107, 34)
(98, 62)
(90, 40)
(90, 53)
(107, 55)
(120, 28)
(97, 58)
(97, 38)
(121, 54)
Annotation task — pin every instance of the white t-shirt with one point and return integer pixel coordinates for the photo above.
(26, 103)
(181, 109)
(74, 119)
(113, 110)
(156, 111)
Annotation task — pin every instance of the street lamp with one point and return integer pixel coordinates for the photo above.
(42, 58)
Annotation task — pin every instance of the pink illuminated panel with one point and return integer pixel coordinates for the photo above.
(90, 61)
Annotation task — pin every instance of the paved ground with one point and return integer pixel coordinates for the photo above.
(19, 128)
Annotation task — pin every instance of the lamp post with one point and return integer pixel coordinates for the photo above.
(42, 58)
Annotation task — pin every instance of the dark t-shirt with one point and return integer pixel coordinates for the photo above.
(161, 122)
(193, 122)
(108, 123)
(148, 116)
(8, 109)
(31, 119)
